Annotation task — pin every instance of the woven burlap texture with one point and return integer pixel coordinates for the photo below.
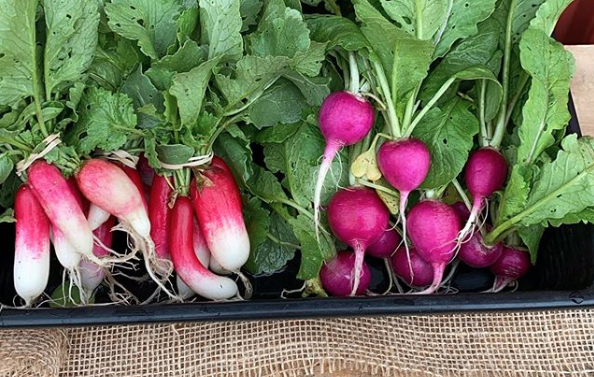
(552, 343)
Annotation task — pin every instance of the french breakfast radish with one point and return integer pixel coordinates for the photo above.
(345, 119)
(159, 213)
(485, 173)
(32, 246)
(433, 230)
(217, 204)
(61, 206)
(358, 217)
(337, 275)
(97, 216)
(91, 274)
(134, 176)
(203, 255)
(183, 255)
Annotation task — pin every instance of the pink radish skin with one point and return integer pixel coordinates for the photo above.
(66, 253)
(91, 274)
(97, 216)
(512, 265)
(32, 246)
(61, 207)
(476, 254)
(386, 245)
(358, 217)
(421, 274)
(159, 213)
(462, 211)
(203, 255)
(218, 207)
(186, 265)
(404, 164)
(336, 275)
(433, 229)
(137, 180)
(345, 119)
(485, 173)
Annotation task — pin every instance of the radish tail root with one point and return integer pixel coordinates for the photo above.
(468, 227)
(329, 153)
(247, 284)
(359, 259)
(390, 276)
(438, 270)
(500, 284)
(402, 215)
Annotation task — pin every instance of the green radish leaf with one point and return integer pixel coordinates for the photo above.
(462, 22)
(174, 154)
(586, 216)
(531, 237)
(152, 23)
(189, 88)
(188, 56)
(515, 196)
(142, 91)
(545, 111)
(221, 24)
(19, 66)
(106, 121)
(71, 41)
(236, 151)
(277, 134)
(266, 186)
(249, 10)
(67, 295)
(548, 14)
(274, 156)
(448, 133)
(313, 253)
(277, 246)
(421, 18)
(521, 14)
(187, 21)
(336, 31)
(8, 190)
(6, 167)
(309, 62)
(314, 89)
(114, 60)
(282, 103)
(7, 216)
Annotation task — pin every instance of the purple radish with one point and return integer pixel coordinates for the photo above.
(336, 275)
(476, 254)
(421, 273)
(404, 164)
(386, 245)
(345, 119)
(357, 217)
(433, 229)
(462, 211)
(512, 265)
(485, 173)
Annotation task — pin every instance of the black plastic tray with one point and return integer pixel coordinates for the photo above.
(562, 278)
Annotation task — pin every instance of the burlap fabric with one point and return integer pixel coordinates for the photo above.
(493, 344)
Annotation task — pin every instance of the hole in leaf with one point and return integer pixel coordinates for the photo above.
(466, 5)
(407, 20)
(2, 55)
(68, 16)
(445, 141)
(118, 24)
(132, 7)
(140, 22)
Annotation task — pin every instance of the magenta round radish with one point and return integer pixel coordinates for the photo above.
(476, 254)
(462, 211)
(433, 229)
(345, 119)
(421, 273)
(485, 173)
(358, 217)
(386, 245)
(336, 275)
(512, 265)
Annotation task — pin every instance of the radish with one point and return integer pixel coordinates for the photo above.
(404, 164)
(203, 255)
(217, 203)
(32, 246)
(61, 207)
(476, 254)
(386, 245)
(485, 173)
(512, 265)
(97, 216)
(433, 229)
(91, 274)
(358, 217)
(159, 213)
(416, 273)
(337, 275)
(462, 211)
(345, 119)
(185, 262)
(137, 180)
(108, 187)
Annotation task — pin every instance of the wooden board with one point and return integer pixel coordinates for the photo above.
(582, 86)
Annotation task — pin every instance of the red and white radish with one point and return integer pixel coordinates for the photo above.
(185, 262)
(414, 272)
(134, 176)
(159, 213)
(32, 246)
(97, 216)
(358, 217)
(217, 204)
(512, 265)
(91, 274)
(203, 255)
(433, 230)
(485, 173)
(61, 206)
(337, 275)
(345, 119)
